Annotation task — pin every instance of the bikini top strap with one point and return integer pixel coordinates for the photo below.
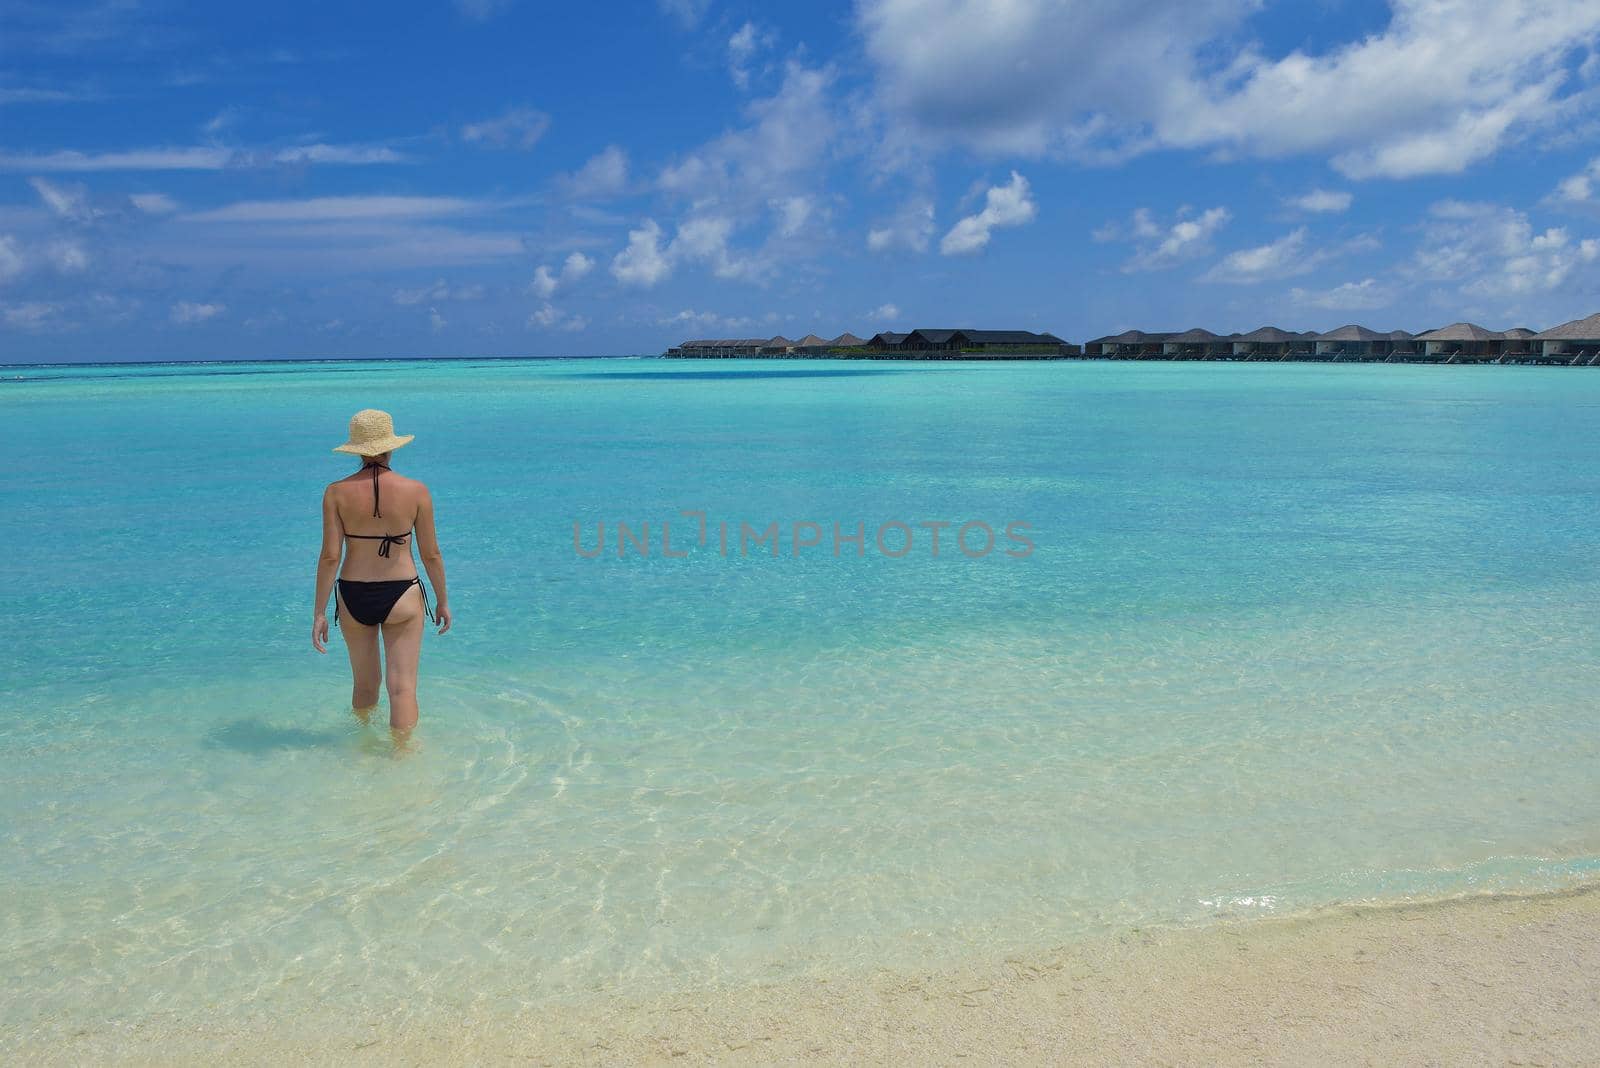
(376, 468)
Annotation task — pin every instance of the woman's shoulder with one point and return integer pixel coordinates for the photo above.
(408, 482)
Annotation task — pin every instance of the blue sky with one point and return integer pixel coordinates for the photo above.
(525, 177)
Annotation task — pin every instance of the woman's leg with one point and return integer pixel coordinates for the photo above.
(402, 648)
(366, 668)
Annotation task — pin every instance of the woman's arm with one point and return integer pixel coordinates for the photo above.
(432, 559)
(327, 567)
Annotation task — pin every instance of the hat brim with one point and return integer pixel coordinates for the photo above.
(375, 448)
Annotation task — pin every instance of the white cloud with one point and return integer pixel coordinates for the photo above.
(436, 322)
(67, 202)
(911, 228)
(1291, 255)
(325, 209)
(341, 246)
(37, 95)
(34, 315)
(603, 175)
(782, 152)
(792, 213)
(546, 282)
(708, 320)
(1494, 252)
(518, 128)
(1365, 295)
(64, 254)
(644, 262)
(186, 312)
(1322, 201)
(701, 239)
(439, 292)
(1004, 205)
(1444, 84)
(201, 158)
(577, 265)
(552, 318)
(743, 46)
(1276, 259)
(68, 257)
(687, 12)
(346, 154)
(154, 203)
(704, 239)
(11, 260)
(1158, 246)
(1579, 188)
(885, 312)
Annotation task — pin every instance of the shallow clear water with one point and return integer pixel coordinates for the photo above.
(1289, 636)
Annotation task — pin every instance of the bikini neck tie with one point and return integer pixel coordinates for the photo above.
(376, 468)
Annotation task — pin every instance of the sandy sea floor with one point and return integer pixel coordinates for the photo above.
(1480, 980)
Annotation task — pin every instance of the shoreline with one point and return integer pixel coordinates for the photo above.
(1492, 977)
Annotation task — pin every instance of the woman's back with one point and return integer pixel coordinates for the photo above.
(399, 500)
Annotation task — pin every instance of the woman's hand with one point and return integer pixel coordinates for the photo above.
(441, 615)
(319, 633)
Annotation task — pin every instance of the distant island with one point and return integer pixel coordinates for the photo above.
(1576, 344)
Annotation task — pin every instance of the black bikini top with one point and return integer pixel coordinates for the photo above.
(386, 539)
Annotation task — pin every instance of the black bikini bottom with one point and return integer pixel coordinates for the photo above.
(371, 602)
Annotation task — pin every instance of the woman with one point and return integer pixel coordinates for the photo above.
(369, 512)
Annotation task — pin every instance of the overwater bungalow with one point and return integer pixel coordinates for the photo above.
(1017, 342)
(934, 341)
(1352, 342)
(811, 345)
(928, 343)
(1195, 344)
(722, 348)
(1461, 343)
(1263, 343)
(1402, 346)
(1129, 344)
(1518, 345)
(1576, 343)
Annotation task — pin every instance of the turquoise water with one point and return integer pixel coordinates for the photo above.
(1288, 636)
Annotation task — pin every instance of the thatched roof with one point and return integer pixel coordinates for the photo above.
(1196, 336)
(1352, 333)
(779, 341)
(1577, 330)
(810, 341)
(1010, 337)
(939, 337)
(1517, 333)
(1268, 334)
(847, 340)
(1128, 337)
(1461, 332)
(1400, 335)
(889, 337)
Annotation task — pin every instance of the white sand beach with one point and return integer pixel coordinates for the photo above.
(1481, 980)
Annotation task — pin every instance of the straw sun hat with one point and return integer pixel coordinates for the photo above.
(372, 434)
